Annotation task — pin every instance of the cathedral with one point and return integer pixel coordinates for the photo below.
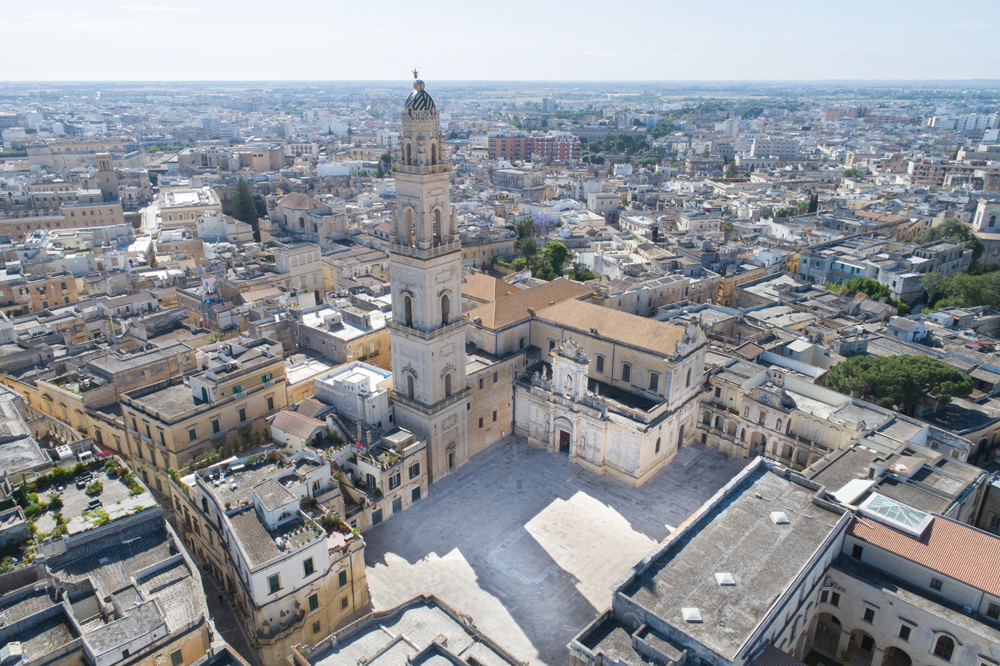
(615, 392)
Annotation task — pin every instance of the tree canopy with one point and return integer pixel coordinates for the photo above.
(260, 203)
(874, 289)
(556, 253)
(955, 231)
(852, 173)
(980, 286)
(244, 209)
(900, 381)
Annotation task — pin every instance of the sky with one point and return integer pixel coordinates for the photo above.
(544, 40)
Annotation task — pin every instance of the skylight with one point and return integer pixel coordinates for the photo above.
(779, 517)
(895, 514)
(691, 614)
(725, 579)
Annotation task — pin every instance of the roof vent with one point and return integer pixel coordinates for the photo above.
(725, 579)
(779, 517)
(691, 614)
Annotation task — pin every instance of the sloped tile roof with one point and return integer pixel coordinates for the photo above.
(486, 288)
(514, 308)
(956, 550)
(629, 329)
(295, 424)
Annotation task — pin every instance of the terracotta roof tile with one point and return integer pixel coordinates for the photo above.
(514, 308)
(956, 550)
(629, 329)
(298, 201)
(296, 424)
(486, 288)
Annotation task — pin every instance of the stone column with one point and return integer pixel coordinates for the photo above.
(845, 638)
(877, 655)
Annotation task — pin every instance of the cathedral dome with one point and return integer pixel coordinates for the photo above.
(419, 99)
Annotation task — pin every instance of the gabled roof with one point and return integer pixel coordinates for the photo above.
(296, 425)
(298, 201)
(623, 327)
(482, 287)
(954, 549)
(514, 308)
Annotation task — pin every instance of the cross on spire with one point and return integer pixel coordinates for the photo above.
(414, 72)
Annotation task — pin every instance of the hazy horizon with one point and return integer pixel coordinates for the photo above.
(684, 42)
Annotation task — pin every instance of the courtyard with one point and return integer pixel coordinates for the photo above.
(529, 544)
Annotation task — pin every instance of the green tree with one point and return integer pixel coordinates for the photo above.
(813, 204)
(542, 270)
(581, 273)
(244, 209)
(898, 381)
(154, 178)
(955, 231)
(727, 228)
(386, 160)
(527, 247)
(964, 290)
(525, 227)
(731, 171)
(260, 203)
(875, 290)
(852, 173)
(556, 253)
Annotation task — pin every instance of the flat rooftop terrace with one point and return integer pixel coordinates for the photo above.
(738, 537)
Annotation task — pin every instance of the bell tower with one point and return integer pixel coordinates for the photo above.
(425, 272)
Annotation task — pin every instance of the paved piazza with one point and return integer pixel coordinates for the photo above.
(530, 544)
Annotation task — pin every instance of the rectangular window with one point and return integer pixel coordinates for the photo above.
(134, 426)
(824, 596)
(936, 584)
(343, 604)
(414, 470)
(599, 365)
(904, 632)
(995, 523)
(270, 404)
(307, 567)
(835, 599)
(313, 602)
(273, 584)
(993, 611)
(495, 375)
(237, 389)
(176, 658)
(856, 552)
(148, 432)
(243, 414)
(481, 383)
(480, 421)
(342, 578)
(494, 417)
(192, 435)
(215, 426)
(869, 615)
(315, 627)
(163, 440)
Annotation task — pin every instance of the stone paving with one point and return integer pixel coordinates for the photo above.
(529, 544)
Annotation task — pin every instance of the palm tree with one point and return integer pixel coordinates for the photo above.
(727, 228)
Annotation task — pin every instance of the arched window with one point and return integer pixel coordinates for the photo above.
(688, 382)
(654, 382)
(434, 154)
(407, 311)
(657, 449)
(437, 226)
(743, 435)
(445, 310)
(447, 385)
(552, 345)
(626, 373)
(599, 364)
(777, 426)
(409, 386)
(944, 647)
(409, 158)
(993, 220)
(302, 223)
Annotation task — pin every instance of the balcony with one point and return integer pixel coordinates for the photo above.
(219, 435)
(244, 424)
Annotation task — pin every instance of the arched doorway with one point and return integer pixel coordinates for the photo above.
(564, 434)
(758, 443)
(895, 656)
(862, 646)
(828, 630)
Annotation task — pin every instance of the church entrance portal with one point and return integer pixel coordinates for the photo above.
(563, 441)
